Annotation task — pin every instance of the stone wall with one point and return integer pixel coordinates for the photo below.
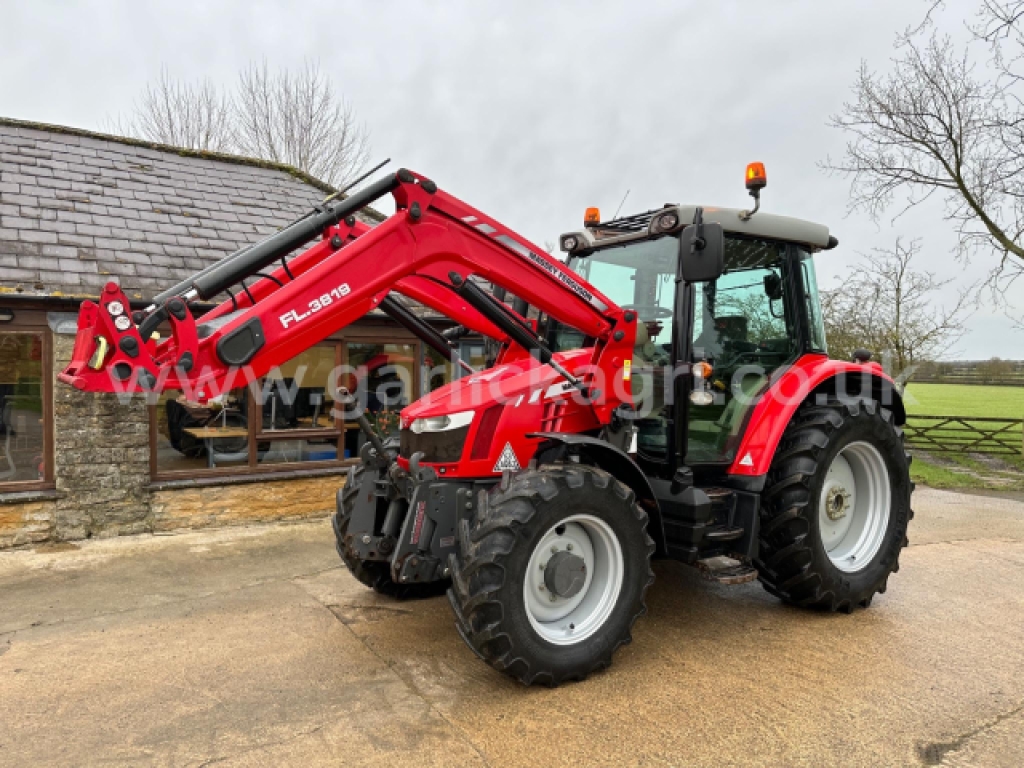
(239, 504)
(101, 459)
(101, 468)
(26, 522)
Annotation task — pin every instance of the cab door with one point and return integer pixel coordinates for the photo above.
(745, 327)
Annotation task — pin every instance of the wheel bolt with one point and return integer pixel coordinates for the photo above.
(552, 598)
(543, 566)
(554, 550)
(542, 588)
(568, 547)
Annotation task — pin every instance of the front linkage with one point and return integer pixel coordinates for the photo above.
(386, 548)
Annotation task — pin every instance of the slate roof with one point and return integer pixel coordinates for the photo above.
(78, 209)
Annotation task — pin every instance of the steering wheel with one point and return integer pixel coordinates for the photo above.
(744, 358)
(642, 310)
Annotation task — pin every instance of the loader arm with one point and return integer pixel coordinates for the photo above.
(334, 239)
(429, 247)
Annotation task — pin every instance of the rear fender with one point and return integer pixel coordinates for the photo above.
(812, 376)
(556, 446)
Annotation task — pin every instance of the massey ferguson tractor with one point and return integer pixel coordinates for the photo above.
(665, 392)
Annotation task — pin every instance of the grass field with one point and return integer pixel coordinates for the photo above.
(965, 400)
(952, 470)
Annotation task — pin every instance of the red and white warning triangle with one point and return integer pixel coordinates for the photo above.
(507, 462)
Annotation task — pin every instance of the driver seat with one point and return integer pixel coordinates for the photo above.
(652, 437)
(643, 347)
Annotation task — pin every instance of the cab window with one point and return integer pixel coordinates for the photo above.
(744, 326)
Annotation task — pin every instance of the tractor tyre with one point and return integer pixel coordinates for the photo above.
(375, 574)
(551, 572)
(836, 507)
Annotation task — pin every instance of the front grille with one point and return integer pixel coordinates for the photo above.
(437, 447)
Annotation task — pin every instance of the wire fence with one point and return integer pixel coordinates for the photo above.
(965, 434)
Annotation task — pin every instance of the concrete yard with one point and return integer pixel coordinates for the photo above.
(253, 646)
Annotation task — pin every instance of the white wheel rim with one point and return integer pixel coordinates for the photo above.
(567, 621)
(854, 507)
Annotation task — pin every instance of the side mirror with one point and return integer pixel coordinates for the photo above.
(702, 258)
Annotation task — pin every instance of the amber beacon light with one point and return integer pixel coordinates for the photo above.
(757, 180)
(756, 176)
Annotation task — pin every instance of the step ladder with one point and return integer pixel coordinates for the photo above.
(726, 570)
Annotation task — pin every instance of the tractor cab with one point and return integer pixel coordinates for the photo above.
(705, 350)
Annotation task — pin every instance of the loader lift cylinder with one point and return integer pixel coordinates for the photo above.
(185, 285)
(401, 315)
(520, 333)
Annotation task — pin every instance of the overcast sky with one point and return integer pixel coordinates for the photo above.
(531, 111)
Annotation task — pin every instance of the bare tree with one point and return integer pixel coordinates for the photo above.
(995, 369)
(1000, 21)
(941, 123)
(194, 116)
(888, 306)
(297, 119)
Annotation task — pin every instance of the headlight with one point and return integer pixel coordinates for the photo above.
(666, 222)
(442, 423)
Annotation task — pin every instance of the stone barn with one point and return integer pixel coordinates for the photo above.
(78, 209)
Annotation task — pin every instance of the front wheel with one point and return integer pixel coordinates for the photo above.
(836, 508)
(550, 575)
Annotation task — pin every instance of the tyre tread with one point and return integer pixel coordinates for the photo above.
(484, 543)
(785, 555)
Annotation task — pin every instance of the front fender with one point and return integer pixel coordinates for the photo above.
(606, 456)
(616, 463)
(811, 375)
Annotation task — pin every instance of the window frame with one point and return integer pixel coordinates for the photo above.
(25, 323)
(800, 258)
(418, 352)
(794, 306)
(254, 415)
(257, 434)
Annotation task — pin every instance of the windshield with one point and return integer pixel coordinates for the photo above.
(638, 276)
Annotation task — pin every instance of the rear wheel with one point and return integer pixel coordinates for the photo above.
(836, 507)
(375, 574)
(550, 574)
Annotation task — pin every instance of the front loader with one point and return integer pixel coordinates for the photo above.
(665, 392)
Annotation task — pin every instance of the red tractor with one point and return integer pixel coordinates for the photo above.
(666, 392)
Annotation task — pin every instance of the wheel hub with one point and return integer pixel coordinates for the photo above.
(573, 579)
(837, 502)
(565, 574)
(854, 506)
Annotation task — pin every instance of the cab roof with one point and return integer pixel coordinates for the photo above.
(643, 225)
